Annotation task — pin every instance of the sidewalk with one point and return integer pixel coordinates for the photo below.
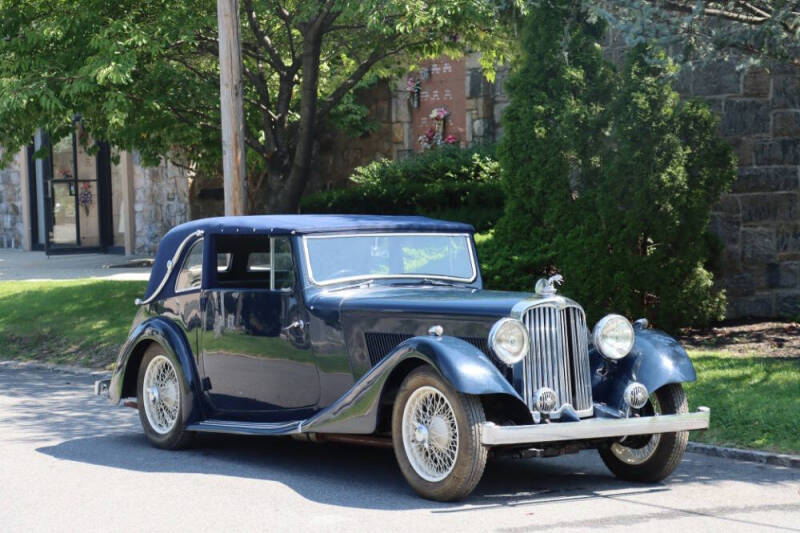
(16, 265)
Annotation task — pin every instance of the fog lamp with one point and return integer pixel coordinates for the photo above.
(545, 400)
(636, 395)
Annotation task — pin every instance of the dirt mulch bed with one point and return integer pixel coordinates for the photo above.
(763, 339)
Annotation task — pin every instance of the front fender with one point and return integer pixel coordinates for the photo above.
(655, 360)
(461, 364)
(170, 336)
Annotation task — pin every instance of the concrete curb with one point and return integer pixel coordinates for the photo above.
(67, 369)
(769, 458)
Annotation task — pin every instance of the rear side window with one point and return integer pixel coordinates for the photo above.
(254, 261)
(190, 275)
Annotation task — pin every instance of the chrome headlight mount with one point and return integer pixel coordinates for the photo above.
(508, 339)
(613, 337)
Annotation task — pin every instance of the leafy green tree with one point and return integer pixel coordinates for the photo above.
(144, 74)
(612, 176)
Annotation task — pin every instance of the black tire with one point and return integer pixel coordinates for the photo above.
(668, 452)
(177, 437)
(470, 458)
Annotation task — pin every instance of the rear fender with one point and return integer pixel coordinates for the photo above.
(459, 363)
(172, 340)
(655, 360)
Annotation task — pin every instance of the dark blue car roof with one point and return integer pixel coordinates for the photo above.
(291, 224)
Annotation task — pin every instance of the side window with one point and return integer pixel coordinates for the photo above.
(190, 275)
(253, 262)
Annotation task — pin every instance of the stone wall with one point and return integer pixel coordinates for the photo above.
(161, 201)
(759, 221)
(11, 225)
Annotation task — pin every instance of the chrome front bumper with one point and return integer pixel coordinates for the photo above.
(593, 428)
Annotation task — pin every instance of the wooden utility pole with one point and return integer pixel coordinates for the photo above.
(231, 108)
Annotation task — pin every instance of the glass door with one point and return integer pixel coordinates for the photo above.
(74, 208)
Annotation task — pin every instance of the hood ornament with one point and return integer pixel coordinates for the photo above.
(547, 286)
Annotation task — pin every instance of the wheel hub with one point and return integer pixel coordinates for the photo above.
(421, 434)
(155, 396)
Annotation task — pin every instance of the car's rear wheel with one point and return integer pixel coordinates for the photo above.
(436, 437)
(651, 458)
(163, 401)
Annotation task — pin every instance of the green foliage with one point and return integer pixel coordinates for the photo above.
(448, 182)
(609, 177)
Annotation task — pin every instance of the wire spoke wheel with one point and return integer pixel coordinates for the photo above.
(636, 455)
(430, 433)
(651, 458)
(161, 394)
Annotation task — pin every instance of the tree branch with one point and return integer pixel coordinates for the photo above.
(377, 55)
(262, 38)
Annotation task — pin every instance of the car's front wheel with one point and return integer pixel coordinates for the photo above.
(651, 458)
(163, 399)
(436, 436)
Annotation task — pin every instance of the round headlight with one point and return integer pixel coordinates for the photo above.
(509, 340)
(613, 336)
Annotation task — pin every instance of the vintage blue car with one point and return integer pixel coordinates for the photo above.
(377, 329)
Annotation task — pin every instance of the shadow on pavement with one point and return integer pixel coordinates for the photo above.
(58, 414)
(320, 472)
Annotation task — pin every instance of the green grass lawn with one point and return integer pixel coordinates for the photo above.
(72, 322)
(754, 401)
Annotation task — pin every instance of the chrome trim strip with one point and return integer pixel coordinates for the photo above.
(247, 428)
(559, 302)
(170, 266)
(306, 238)
(595, 428)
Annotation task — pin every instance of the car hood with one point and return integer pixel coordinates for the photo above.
(411, 301)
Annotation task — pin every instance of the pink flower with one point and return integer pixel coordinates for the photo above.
(450, 139)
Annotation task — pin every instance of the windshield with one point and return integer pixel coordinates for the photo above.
(333, 258)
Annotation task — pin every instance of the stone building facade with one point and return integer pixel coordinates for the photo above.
(11, 224)
(121, 206)
(759, 220)
(161, 202)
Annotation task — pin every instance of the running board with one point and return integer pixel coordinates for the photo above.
(247, 428)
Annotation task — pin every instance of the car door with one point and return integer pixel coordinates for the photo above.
(256, 358)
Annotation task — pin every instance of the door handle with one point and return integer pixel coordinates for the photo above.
(296, 324)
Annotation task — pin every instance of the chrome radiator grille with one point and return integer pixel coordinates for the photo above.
(559, 356)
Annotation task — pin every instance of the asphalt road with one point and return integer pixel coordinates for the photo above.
(72, 462)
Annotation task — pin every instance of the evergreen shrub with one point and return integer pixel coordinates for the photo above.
(447, 182)
(609, 178)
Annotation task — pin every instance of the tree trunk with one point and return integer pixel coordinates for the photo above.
(287, 179)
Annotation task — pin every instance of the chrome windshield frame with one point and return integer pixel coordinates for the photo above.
(365, 276)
